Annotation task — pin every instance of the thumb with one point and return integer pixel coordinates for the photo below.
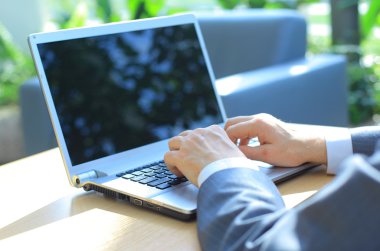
(260, 153)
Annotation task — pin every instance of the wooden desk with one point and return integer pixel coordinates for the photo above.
(40, 211)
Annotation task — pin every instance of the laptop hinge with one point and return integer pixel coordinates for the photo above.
(82, 178)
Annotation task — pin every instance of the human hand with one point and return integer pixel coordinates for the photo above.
(281, 144)
(191, 151)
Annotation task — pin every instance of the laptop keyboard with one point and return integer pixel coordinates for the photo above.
(155, 175)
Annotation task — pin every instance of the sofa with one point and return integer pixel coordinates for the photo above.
(260, 64)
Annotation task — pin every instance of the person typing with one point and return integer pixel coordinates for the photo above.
(239, 208)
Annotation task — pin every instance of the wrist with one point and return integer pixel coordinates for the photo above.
(222, 164)
(316, 149)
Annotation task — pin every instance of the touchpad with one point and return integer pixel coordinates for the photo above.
(184, 197)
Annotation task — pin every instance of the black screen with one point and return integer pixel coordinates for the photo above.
(121, 91)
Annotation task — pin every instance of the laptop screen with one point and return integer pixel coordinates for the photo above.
(121, 91)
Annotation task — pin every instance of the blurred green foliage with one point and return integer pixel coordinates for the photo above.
(69, 13)
(362, 99)
(143, 9)
(15, 68)
(364, 96)
(363, 79)
(371, 18)
(269, 4)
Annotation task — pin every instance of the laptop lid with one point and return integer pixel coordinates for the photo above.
(117, 92)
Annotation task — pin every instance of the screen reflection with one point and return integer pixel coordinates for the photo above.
(121, 91)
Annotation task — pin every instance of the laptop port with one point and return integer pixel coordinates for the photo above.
(137, 202)
(149, 205)
(122, 196)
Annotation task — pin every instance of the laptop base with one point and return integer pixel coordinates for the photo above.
(139, 203)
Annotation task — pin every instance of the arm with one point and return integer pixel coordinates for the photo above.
(244, 212)
(364, 139)
(239, 208)
(343, 143)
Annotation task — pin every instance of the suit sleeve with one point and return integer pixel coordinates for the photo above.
(241, 209)
(364, 139)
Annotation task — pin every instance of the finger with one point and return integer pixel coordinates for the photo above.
(216, 129)
(244, 130)
(260, 153)
(236, 120)
(175, 171)
(200, 131)
(171, 160)
(185, 133)
(244, 141)
(175, 143)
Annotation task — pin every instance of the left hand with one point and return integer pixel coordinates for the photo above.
(191, 151)
(281, 144)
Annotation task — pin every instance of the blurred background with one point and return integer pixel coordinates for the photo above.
(347, 27)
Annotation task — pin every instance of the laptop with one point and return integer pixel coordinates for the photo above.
(117, 92)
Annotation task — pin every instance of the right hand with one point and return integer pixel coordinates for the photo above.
(281, 144)
(191, 151)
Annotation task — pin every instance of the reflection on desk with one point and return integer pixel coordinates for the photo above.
(39, 210)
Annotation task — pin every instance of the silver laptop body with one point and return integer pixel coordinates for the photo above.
(117, 92)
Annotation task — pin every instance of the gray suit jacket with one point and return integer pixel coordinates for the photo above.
(241, 209)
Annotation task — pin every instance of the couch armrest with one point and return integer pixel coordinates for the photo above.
(312, 91)
(36, 125)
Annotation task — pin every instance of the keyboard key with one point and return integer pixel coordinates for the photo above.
(154, 174)
(131, 171)
(138, 178)
(175, 181)
(146, 170)
(128, 176)
(161, 175)
(163, 186)
(120, 174)
(158, 182)
(155, 167)
(147, 180)
(150, 174)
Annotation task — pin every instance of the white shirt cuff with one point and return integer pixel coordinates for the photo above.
(222, 164)
(339, 147)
